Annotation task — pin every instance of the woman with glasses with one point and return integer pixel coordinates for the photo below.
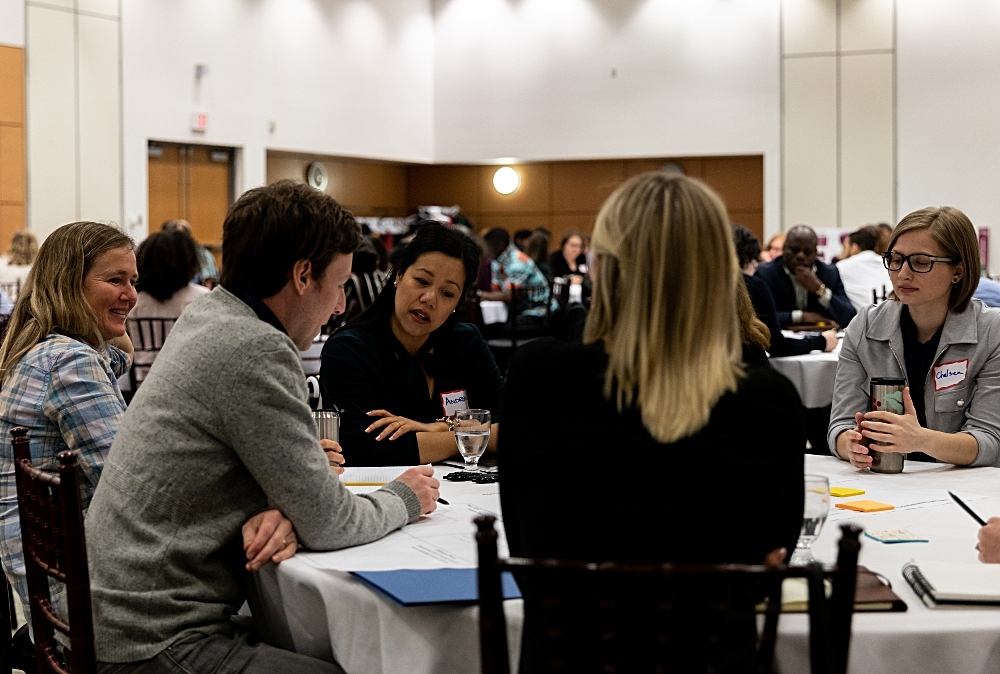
(935, 336)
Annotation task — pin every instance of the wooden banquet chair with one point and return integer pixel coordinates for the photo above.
(622, 617)
(147, 335)
(54, 547)
(12, 289)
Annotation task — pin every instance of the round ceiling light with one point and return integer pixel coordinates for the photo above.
(506, 180)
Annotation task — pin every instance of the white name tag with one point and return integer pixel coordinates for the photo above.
(454, 401)
(949, 375)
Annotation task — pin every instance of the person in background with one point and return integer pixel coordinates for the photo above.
(219, 430)
(884, 235)
(537, 249)
(565, 261)
(747, 250)
(805, 290)
(862, 271)
(988, 291)
(407, 363)
(495, 242)
(772, 250)
(513, 269)
(168, 263)
(521, 237)
(208, 274)
(15, 265)
(935, 336)
(661, 371)
(366, 283)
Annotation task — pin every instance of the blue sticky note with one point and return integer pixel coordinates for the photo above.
(895, 536)
(413, 587)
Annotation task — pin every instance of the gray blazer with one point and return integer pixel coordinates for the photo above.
(873, 347)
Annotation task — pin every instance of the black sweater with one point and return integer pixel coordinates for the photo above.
(366, 369)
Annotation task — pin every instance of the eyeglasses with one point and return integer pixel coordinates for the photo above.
(921, 263)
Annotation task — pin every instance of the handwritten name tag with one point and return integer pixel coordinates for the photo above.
(949, 375)
(454, 401)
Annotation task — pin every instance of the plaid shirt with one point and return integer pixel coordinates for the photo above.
(67, 395)
(514, 269)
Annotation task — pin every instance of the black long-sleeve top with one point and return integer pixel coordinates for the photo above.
(579, 480)
(365, 369)
(763, 305)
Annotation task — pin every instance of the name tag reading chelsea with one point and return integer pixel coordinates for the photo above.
(454, 401)
(949, 375)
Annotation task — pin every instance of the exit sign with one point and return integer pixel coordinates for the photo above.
(199, 121)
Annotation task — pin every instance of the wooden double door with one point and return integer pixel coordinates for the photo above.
(192, 182)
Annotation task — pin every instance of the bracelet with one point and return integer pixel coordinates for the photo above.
(451, 421)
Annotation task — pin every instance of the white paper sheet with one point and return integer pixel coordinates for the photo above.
(372, 474)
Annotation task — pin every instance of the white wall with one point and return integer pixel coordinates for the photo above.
(533, 80)
(337, 77)
(12, 23)
(948, 95)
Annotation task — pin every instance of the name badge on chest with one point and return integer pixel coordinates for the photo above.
(949, 375)
(454, 401)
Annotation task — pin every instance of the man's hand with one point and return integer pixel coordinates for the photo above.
(813, 318)
(807, 278)
(899, 432)
(333, 453)
(421, 480)
(776, 557)
(831, 340)
(268, 536)
(989, 541)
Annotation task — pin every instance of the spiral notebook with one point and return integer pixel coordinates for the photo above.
(954, 584)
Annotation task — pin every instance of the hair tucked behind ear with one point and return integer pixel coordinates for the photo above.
(665, 301)
(52, 299)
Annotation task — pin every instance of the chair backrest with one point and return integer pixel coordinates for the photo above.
(611, 616)
(54, 547)
(148, 336)
(12, 289)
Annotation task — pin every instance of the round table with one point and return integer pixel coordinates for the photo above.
(812, 374)
(311, 604)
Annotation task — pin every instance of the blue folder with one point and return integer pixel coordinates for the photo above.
(410, 587)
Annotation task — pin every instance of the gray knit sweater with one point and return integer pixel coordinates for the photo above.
(219, 431)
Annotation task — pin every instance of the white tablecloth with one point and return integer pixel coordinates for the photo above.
(812, 374)
(328, 612)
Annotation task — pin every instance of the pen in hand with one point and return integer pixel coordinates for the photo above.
(967, 509)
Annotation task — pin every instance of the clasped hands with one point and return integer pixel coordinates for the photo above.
(898, 432)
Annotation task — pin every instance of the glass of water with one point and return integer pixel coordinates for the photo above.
(472, 434)
(817, 507)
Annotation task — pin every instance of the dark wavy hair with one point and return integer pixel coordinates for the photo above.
(167, 261)
(747, 245)
(271, 228)
(431, 237)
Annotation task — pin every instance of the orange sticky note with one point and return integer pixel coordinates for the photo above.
(865, 506)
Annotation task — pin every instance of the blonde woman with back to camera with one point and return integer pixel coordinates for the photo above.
(661, 390)
(933, 334)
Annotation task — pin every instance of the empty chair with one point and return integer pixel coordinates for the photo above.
(55, 547)
(147, 335)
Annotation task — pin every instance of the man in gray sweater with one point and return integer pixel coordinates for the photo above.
(220, 431)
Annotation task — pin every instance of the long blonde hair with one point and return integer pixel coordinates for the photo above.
(664, 301)
(52, 299)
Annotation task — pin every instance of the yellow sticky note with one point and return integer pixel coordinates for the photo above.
(865, 506)
(841, 492)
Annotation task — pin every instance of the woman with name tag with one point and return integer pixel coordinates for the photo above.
(401, 371)
(667, 384)
(935, 336)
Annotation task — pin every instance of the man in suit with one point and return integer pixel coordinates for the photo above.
(805, 289)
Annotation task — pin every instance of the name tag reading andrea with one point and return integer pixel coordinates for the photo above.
(454, 401)
(949, 375)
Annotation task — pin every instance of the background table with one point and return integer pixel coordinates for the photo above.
(326, 612)
(812, 375)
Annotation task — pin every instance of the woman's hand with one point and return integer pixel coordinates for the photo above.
(268, 536)
(856, 451)
(898, 432)
(395, 427)
(333, 453)
(831, 340)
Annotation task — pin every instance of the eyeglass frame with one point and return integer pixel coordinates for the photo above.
(905, 259)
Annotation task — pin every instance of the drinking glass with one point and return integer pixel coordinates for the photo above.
(817, 507)
(472, 434)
